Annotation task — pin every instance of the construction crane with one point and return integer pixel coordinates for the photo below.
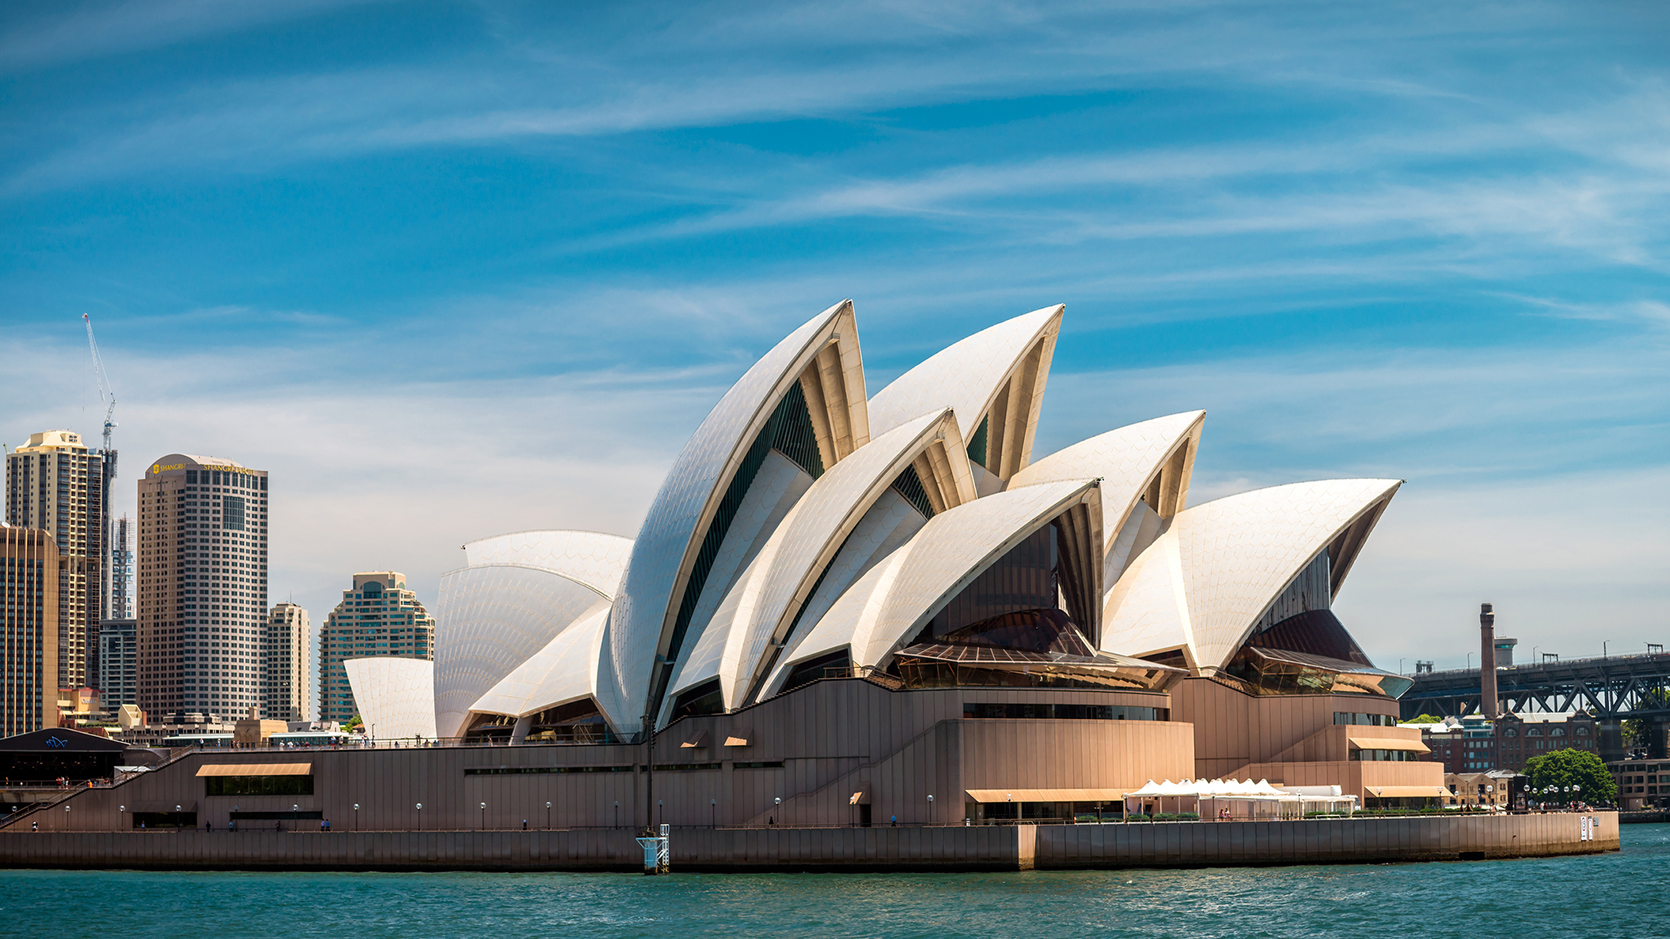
(107, 394)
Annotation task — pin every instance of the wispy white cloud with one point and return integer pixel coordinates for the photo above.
(101, 29)
(710, 66)
(1153, 164)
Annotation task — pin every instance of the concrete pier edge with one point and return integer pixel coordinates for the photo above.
(762, 850)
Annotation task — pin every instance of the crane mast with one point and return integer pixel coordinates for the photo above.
(107, 394)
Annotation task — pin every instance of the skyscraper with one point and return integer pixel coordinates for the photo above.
(121, 573)
(379, 616)
(284, 648)
(56, 484)
(202, 586)
(29, 566)
(118, 664)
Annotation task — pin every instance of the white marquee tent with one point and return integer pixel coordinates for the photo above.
(1290, 801)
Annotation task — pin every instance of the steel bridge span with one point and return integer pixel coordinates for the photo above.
(1609, 687)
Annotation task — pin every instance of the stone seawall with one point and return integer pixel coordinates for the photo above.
(1181, 844)
(1323, 841)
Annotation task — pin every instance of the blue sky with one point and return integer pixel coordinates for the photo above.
(448, 270)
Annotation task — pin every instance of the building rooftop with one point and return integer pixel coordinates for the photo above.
(52, 440)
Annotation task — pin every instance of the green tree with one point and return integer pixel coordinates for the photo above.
(1564, 768)
(1424, 719)
(1635, 732)
(354, 724)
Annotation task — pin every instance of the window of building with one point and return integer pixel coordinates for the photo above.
(1392, 756)
(1371, 720)
(258, 786)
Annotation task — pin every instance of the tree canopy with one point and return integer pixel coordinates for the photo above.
(1425, 719)
(1564, 768)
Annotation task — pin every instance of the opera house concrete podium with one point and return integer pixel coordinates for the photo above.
(846, 609)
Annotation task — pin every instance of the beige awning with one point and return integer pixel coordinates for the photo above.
(1388, 743)
(255, 769)
(1407, 792)
(1046, 795)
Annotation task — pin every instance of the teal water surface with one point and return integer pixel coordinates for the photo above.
(1619, 896)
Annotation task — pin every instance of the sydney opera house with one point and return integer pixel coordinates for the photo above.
(845, 608)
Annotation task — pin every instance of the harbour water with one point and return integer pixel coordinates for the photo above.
(1614, 895)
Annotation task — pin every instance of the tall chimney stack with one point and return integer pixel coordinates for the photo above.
(1487, 660)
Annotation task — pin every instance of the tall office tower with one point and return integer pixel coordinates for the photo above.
(202, 586)
(56, 484)
(379, 616)
(29, 564)
(284, 650)
(118, 664)
(121, 573)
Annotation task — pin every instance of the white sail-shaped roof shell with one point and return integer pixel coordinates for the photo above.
(566, 670)
(489, 620)
(395, 695)
(592, 558)
(1203, 585)
(1149, 462)
(760, 608)
(823, 356)
(893, 601)
(999, 371)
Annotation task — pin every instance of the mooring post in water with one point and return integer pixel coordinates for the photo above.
(656, 855)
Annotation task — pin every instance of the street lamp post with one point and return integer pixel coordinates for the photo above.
(779, 810)
(547, 816)
(356, 816)
(930, 808)
(617, 813)
(483, 825)
(420, 816)
(713, 813)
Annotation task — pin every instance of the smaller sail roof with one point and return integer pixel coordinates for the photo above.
(896, 597)
(1204, 583)
(395, 695)
(565, 670)
(592, 558)
(1001, 371)
(1148, 462)
(488, 620)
